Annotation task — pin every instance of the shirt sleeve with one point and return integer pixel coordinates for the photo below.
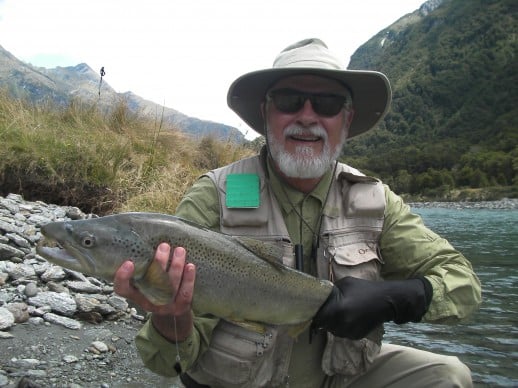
(199, 205)
(409, 248)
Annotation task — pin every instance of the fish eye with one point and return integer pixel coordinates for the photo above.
(87, 240)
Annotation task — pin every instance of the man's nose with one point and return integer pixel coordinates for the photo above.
(307, 115)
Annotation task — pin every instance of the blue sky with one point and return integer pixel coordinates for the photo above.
(185, 53)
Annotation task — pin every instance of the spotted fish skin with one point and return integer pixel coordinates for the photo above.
(237, 278)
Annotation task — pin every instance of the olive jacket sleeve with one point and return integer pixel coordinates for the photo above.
(408, 248)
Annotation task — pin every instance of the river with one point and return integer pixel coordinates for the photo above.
(488, 342)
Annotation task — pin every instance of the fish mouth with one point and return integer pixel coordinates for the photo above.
(64, 255)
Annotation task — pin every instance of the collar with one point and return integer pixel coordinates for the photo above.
(295, 197)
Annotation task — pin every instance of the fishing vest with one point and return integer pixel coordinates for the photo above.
(351, 227)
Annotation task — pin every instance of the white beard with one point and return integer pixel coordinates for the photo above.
(304, 163)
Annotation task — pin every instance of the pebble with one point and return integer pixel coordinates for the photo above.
(100, 346)
(69, 359)
(6, 318)
(38, 292)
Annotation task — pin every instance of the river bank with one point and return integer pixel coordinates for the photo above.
(59, 328)
(505, 203)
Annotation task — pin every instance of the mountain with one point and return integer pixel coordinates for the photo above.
(61, 84)
(454, 115)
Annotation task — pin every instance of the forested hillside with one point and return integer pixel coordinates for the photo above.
(454, 116)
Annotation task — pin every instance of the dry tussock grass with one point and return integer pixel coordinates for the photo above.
(101, 162)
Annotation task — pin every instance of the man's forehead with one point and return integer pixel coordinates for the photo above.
(310, 83)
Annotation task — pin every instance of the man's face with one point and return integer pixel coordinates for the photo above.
(304, 143)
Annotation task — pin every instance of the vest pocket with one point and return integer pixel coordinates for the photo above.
(235, 357)
(348, 357)
(349, 254)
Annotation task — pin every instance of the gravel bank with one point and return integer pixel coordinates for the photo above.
(59, 328)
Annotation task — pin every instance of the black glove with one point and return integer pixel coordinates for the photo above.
(356, 306)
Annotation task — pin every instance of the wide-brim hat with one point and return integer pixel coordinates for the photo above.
(370, 90)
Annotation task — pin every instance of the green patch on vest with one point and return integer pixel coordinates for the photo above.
(243, 191)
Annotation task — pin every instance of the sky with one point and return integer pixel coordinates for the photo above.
(184, 54)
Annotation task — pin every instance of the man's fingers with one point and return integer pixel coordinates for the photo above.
(181, 278)
(121, 282)
(122, 286)
(186, 290)
(177, 268)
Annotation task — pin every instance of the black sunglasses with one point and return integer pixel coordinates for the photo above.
(291, 101)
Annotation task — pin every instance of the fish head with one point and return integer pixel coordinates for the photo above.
(95, 246)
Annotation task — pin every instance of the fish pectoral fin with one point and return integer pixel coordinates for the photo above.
(267, 251)
(155, 285)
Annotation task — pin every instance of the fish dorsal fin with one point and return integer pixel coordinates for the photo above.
(267, 251)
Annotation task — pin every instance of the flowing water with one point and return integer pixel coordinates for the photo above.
(488, 342)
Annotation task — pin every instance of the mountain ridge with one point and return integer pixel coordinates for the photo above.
(453, 120)
(60, 85)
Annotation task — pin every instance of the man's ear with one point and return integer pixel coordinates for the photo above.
(263, 110)
(349, 114)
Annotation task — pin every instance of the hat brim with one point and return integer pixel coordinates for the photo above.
(370, 90)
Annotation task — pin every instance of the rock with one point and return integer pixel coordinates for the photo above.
(26, 363)
(18, 240)
(38, 220)
(85, 287)
(6, 318)
(5, 297)
(74, 213)
(69, 359)
(19, 310)
(100, 346)
(7, 251)
(7, 226)
(3, 278)
(59, 302)
(53, 273)
(21, 271)
(36, 320)
(90, 316)
(118, 302)
(76, 275)
(31, 289)
(63, 321)
(57, 287)
(5, 335)
(86, 304)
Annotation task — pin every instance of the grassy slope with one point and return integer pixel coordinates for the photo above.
(101, 162)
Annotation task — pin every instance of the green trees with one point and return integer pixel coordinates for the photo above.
(453, 122)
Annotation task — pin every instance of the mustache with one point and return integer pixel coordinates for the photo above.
(297, 130)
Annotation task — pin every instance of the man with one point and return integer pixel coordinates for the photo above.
(334, 223)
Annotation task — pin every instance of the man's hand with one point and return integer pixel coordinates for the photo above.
(357, 306)
(181, 278)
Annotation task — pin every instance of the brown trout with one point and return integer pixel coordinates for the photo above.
(237, 278)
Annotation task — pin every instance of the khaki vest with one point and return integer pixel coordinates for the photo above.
(349, 237)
